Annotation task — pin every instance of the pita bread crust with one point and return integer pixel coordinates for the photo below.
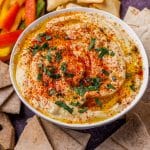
(143, 110)
(133, 135)
(112, 7)
(52, 4)
(33, 137)
(4, 74)
(82, 138)
(131, 13)
(90, 1)
(12, 105)
(7, 134)
(109, 144)
(5, 93)
(59, 139)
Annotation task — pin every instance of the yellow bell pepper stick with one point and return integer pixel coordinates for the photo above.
(5, 51)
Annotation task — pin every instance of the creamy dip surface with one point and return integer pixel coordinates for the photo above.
(78, 68)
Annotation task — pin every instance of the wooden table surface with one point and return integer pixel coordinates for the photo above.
(98, 135)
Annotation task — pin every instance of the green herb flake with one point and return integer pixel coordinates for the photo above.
(112, 53)
(58, 56)
(48, 37)
(52, 92)
(45, 46)
(69, 75)
(40, 7)
(64, 105)
(103, 52)
(63, 67)
(128, 75)
(35, 49)
(82, 110)
(110, 86)
(39, 77)
(48, 57)
(80, 90)
(53, 48)
(75, 104)
(132, 87)
(98, 102)
(92, 43)
(105, 72)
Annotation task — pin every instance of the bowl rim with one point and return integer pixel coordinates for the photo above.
(131, 33)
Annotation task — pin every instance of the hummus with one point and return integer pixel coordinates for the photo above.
(78, 67)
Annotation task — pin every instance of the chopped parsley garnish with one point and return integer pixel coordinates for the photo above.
(105, 72)
(92, 43)
(64, 70)
(75, 104)
(82, 110)
(132, 87)
(128, 75)
(35, 49)
(64, 105)
(53, 48)
(63, 67)
(52, 92)
(58, 56)
(80, 90)
(48, 57)
(55, 76)
(45, 45)
(98, 102)
(48, 37)
(39, 77)
(110, 86)
(95, 84)
(103, 52)
(112, 53)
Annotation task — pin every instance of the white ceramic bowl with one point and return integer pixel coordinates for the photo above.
(126, 28)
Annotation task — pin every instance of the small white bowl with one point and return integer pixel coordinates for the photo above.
(125, 27)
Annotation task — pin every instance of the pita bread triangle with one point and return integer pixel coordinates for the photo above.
(33, 137)
(59, 139)
(4, 75)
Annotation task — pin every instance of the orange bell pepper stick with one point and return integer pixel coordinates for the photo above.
(30, 11)
(9, 38)
(10, 17)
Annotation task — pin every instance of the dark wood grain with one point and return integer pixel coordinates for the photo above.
(98, 135)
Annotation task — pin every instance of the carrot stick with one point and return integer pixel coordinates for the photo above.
(30, 11)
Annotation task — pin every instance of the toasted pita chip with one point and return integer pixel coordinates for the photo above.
(12, 105)
(52, 4)
(7, 133)
(5, 93)
(143, 110)
(69, 5)
(33, 137)
(132, 12)
(90, 1)
(109, 144)
(59, 139)
(82, 138)
(133, 135)
(112, 7)
(4, 75)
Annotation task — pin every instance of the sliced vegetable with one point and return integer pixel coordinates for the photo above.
(10, 17)
(18, 20)
(9, 38)
(40, 7)
(64, 105)
(30, 11)
(75, 104)
(103, 52)
(5, 51)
